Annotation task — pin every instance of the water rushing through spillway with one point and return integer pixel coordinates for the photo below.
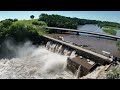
(31, 62)
(58, 48)
(27, 61)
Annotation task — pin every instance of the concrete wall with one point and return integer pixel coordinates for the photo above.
(98, 58)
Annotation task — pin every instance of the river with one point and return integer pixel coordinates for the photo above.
(94, 28)
(32, 62)
(36, 62)
(92, 42)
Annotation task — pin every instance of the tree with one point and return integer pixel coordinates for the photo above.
(6, 23)
(15, 20)
(21, 32)
(40, 23)
(32, 16)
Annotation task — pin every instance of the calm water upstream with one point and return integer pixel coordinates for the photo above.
(95, 44)
(94, 28)
(90, 27)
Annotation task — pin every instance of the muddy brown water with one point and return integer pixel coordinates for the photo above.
(92, 43)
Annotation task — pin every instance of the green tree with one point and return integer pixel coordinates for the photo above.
(15, 20)
(32, 16)
(6, 23)
(40, 23)
(21, 32)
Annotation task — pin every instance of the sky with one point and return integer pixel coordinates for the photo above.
(112, 16)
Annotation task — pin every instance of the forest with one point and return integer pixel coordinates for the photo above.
(72, 23)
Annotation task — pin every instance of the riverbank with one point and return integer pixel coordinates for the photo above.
(21, 31)
(110, 31)
(110, 27)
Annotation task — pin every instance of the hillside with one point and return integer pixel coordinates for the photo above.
(26, 21)
(21, 30)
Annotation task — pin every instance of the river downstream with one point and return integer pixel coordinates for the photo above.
(31, 62)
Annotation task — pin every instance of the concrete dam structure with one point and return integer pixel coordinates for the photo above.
(100, 59)
(80, 60)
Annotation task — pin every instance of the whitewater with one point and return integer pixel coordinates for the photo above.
(28, 61)
(32, 62)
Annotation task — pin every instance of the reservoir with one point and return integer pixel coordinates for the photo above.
(94, 28)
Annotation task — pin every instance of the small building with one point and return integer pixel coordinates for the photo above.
(86, 65)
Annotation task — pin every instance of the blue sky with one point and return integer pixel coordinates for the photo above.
(113, 16)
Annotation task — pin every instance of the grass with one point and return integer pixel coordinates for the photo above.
(110, 27)
(110, 31)
(29, 22)
(114, 74)
(41, 31)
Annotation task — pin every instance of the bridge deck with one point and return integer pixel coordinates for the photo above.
(79, 31)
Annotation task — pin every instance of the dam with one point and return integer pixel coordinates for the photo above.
(86, 53)
(88, 60)
(55, 59)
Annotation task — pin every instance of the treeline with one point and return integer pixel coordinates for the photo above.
(65, 22)
(12, 20)
(111, 24)
(68, 22)
(58, 21)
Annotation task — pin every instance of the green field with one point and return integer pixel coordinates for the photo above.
(110, 31)
(25, 21)
(29, 22)
(110, 27)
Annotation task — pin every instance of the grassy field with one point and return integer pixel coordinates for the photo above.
(29, 22)
(25, 21)
(113, 28)
(110, 31)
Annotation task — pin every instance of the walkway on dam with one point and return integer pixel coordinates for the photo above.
(84, 52)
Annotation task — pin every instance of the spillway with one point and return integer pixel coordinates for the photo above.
(31, 62)
(27, 61)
